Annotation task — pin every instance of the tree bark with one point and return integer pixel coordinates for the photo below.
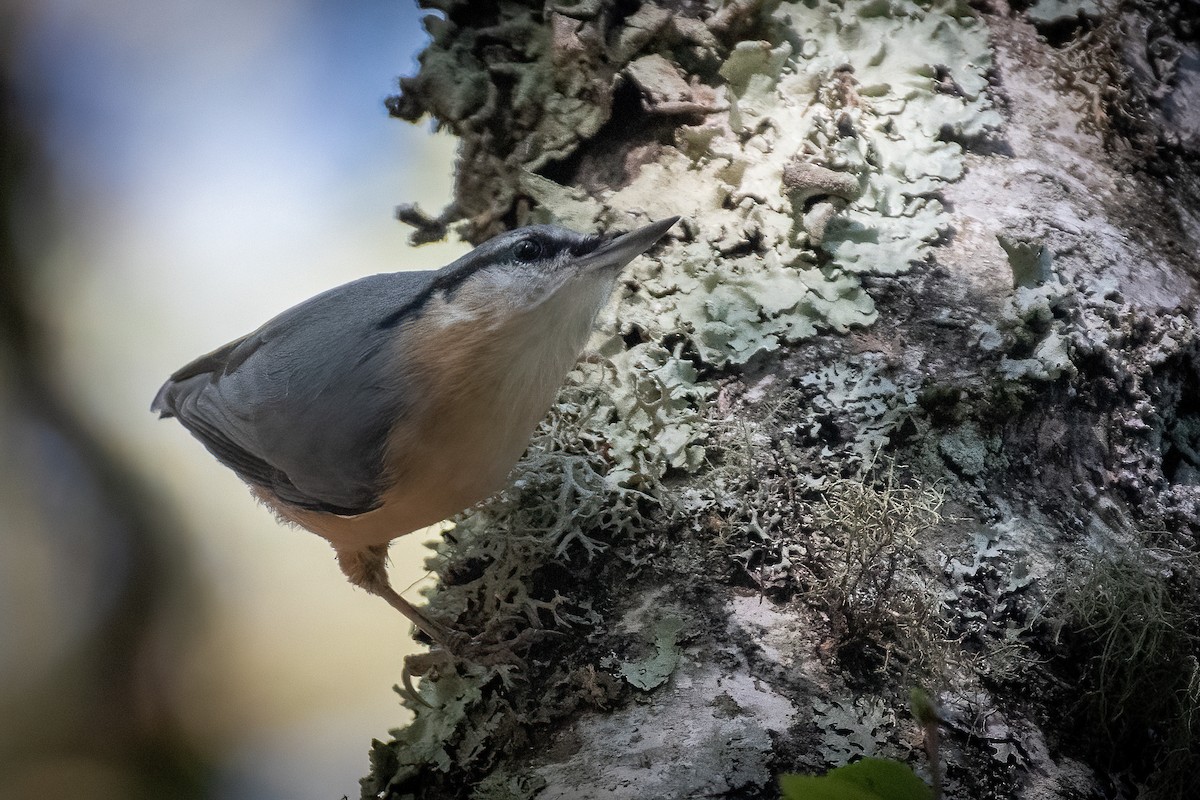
(912, 403)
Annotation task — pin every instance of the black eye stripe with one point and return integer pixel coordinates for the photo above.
(588, 244)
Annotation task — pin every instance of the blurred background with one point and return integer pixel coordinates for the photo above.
(175, 173)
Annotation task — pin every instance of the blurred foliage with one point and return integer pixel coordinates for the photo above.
(85, 711)
(868, 779)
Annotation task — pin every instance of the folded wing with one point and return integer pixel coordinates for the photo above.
(302, 407)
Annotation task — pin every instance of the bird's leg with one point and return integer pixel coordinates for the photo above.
(367, 568)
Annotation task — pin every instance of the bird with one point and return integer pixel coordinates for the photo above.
(390, 403)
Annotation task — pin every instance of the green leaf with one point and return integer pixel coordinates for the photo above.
(868, 779)
(810, 787)
(923, 707)
(891, 780)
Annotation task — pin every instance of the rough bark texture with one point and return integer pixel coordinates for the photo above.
(912, 402)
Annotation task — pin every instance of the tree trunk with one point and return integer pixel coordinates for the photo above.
(910, 406)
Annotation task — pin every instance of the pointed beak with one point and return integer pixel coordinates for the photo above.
(618, 252)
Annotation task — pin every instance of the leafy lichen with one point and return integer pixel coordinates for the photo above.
(653, 670)
(808, 152)
(1053, 12)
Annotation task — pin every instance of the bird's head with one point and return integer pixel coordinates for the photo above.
(519, 271)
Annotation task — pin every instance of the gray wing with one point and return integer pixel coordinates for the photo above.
(302, 407)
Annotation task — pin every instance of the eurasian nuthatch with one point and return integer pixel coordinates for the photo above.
(391, 403)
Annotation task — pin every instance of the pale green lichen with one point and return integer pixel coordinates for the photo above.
(1031, 325)
(834, 94)
(1030, 261)
(502, 785)
(654, 670)
(658, 404)
(753, 71)
(968, 451)
(860, 391)
(1054, 12)
(826, 139)
(1032, 332)
(1050, 360)
(426, 741)
(851, 729)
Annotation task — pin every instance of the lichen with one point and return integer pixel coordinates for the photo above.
(1054, 12)
(875, 134)
(1031, 329)
(863, 392)
(967, 450)
(850, 730)
(653, 670)
(1030, 261)
(1131, 611)
(808, 148)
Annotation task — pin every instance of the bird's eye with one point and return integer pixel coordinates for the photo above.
(527, 250)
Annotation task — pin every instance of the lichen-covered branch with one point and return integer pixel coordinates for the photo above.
(911, 402)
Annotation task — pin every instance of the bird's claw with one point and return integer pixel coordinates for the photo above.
(478, 651)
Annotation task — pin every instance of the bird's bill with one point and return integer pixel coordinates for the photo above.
(618, 252)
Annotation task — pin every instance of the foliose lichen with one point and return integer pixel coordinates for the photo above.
(804, 145)
(1052, 12)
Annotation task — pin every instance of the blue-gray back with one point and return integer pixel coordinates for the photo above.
(302, 407)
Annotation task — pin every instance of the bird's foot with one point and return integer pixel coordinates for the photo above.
(478, 653)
